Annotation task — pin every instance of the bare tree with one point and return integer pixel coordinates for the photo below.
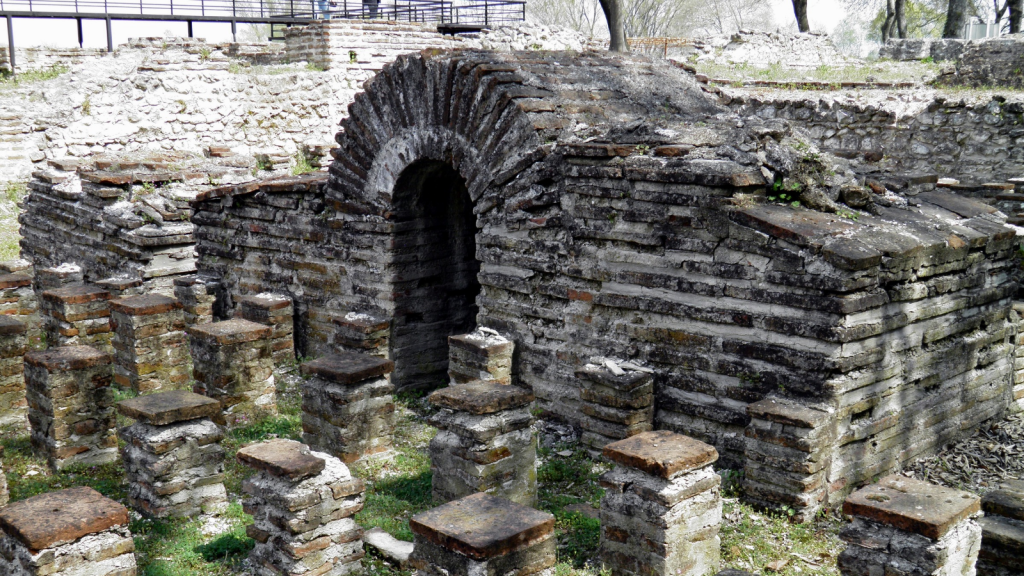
(616, 31)
(652, 18)
(956, 18)
(581, 15)
(1016, 15)
(800, 8)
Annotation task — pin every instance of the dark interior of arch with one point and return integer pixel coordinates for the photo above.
(434, 272)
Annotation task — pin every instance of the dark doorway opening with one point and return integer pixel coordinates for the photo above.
(434, 268)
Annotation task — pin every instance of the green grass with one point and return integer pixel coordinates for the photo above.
(10, 195)
(32, 76)
(877, 72)
(752, 540)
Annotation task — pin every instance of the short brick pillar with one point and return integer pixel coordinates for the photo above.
(77, 315)
(73, 532)
(788, 454)
(122, 287)
(362, 333)
(150, 348)
(662, 506)
(1002, 530)
(197, 296)
(172, 454)
(276, 311)
(302, 505)
(66, 274)
(906, 526)
(13, 345)
(1018, 358)
(480, 355)
(482, 535)
(70, 405)
(485, 442)
(618, 401)
(18, 300)
(4, 496)
(232, 363)
(347, 405)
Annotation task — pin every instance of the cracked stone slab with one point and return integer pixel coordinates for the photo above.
(661, 453)
(481, 397)
(169, 407)
(59, 517)
(912, 505)
(282, 458)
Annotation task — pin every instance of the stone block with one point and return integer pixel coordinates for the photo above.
(4, 495)
(232, 363)
(276, 311)
(70, 532)
(122, 287)
(70, 405)
(172, 455)
(662, 507)
(197, 296)
(907, 526)
(1002, 530)
(150, 347)
(482, 535)
(362, 333)
(77, 315)
(485, 442)
(302, 504)
(618, 401)
(18, 300)
(13, 346)
(788, 445)
(480, 355)
(348, 407)
(58, 277)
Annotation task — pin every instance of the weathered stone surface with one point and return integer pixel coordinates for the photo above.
(482, 526)
(912, 505)
(661, 453)
(276, 311)
(169, 407)
(150, 346)
(4, 496)
(145, 305)
(392, 549)
(232, 362)
(13, 346)
(1002, 538)
(67, 358)
(481, 397)
(230, 332)
(347, 367)
(284, 458)
(60, 517)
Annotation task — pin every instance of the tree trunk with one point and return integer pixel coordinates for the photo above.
(901, 18)
(1016, 15)
(800, 8)
(890, 15)
(956, 17)
(613, 14)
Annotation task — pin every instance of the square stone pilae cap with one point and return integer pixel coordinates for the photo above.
(347, 367)
(233, 331)
(485, 341)
(265, 301)
(912, 505)
(169, 407)
(119, 284)
(480, 397)
(363, 323)
(788, 412)
(76, 294)
(282, 458)
(67, 358)
(145, 305)
(482, 526)
(60, 517)
(14, 281)
(10, 325)
(1006, 500)
(661, 453)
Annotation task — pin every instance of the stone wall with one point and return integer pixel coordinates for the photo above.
(985, 63)
(972, 138)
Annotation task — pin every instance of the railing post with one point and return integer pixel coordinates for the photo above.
(110, 34)
(10, 43)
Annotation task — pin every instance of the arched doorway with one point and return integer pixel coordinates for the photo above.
(434, 271)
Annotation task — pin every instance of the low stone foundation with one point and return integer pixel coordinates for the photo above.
(70, 405)
(480, 355)
(906, 526)
(347, 405)
(276, 311)
(482, 535)
(232, 363)
(302, 505)
(77, 316)
(485, 442)
(13, 345)
(662, 507)
(1002, 531)
(73, 532)
(172, 454)
(196, 296)
(150, 349)
(618, 402)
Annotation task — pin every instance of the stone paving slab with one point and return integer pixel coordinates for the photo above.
(58, 517)
(233, 331)
(661, 453)
(283, 458)
(67, 358)
(912, 505)
(169, 407)
(347, 367)
(482, 526)
(481, 397)
(145, 304)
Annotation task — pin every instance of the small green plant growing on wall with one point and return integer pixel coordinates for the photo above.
(86, 108)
